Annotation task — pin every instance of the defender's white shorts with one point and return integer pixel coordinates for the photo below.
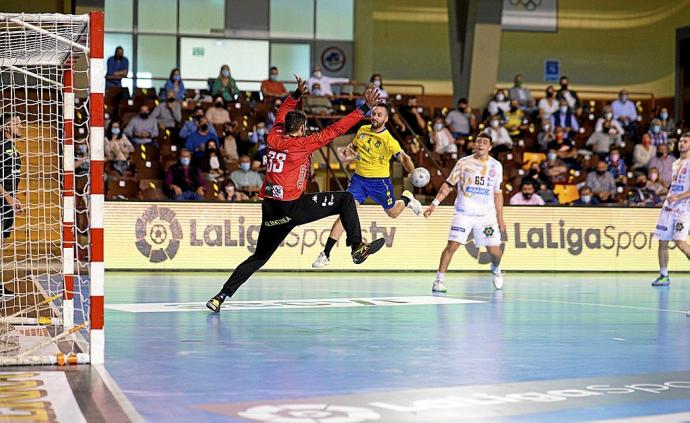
(672, 225)
(484, 228)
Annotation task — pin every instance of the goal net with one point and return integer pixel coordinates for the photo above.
(51, 202)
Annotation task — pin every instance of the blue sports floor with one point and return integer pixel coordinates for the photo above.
(379, 347)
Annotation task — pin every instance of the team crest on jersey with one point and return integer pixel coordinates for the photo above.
(488, 231)
(377, 144)
(492, 173)
(679, 227)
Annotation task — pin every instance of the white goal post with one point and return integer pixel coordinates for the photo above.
(52, 90)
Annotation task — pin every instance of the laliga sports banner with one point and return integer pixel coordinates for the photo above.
(219, 236)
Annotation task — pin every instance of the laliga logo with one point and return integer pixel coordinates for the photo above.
(158, 234)
(309, 413)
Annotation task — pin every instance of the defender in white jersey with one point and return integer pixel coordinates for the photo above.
(478, 209)
(674, 219)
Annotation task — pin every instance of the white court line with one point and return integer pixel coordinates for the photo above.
(578, 303)
(119, 396)
(656, 418)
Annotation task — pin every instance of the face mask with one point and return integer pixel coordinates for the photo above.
(641, 184)
(116, 131)
(316, 91)
(656, 129)
(608, 116)
(273, 77)
(533, 172)
(659, 154)
(144, 115)
(245, 166)
(564, 86)
(225, 73)
(317, 74)
(198, 117)
(653, 177)
(230, 192)
(549, 94)
(185, 161)
(547, 128)
(663, 115)
(438, 126)
(170, 100)
(624, 98)
(500, 97)
(277, 106)
(552, 156)
(586, 198)
(563, 109)
(600, 172)
(377, 83)
(494, 123)
(615, 157)
(518, 83)
(214, 162)
(176, 77)
(203, 126)
(219, 104)
(462, 107)
(261, 131)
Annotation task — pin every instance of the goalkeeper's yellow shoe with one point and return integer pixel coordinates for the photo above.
(214, 303)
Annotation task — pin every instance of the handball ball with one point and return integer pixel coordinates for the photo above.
(420, 177)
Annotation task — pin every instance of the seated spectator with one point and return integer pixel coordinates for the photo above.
(663, 162)
(461, 121)
(316, 103)
(168, 114)
(196, 141)
(537, 175)
(414, 120)
(625, 112)
(564, 148)
(218, 114)
(271, 115)
(549, 104)
(546, 135)
(442, 139)
(607, 132)
(668, 125)
(587, 197)
(655, 184)
(183, 180)
(499, 105)
(317, 77)
(377, 81)
(643, 153)
(229, 145)
(565, 118)
(499, 135)
(246, 179)
(258, 138)
(570, 96)
(225, 85)
(514, 118)
(142, 128)
(118, 149)
(230, 193)
(190, 126)
(522, 95)
(546, 193)
(657, 135)
(554, 168)
(617, 166)
(211, 163)
(527, 196)
(641, 195)
(175, 85)
(117, 68)
(602, 183)
(271, 87)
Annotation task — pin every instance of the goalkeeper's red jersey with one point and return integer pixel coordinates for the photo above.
(288, 159)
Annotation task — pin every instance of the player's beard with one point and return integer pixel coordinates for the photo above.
(374, 125)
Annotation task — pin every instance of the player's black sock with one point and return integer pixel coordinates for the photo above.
(405, 200)
(330, 243)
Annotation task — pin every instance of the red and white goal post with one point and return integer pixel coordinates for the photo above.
(52, 177)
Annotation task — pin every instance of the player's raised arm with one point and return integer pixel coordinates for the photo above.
(321, 138)
(291, 101)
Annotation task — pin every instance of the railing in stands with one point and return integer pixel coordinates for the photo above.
(586, 94)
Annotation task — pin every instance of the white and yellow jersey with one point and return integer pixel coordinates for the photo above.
(680, 182)
(476, 181)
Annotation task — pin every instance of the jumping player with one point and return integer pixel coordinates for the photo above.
(674, 218)
(373, 147)
(284, 205)
(478, 208)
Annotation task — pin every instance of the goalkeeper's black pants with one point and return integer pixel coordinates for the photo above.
(278, 218)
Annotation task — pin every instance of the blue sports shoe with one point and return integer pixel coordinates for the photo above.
(662, 281)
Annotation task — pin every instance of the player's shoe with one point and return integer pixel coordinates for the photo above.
(413, 204)
(497, 279)
(214, 303)
(365, 250)
(321, 261)
(662, 281)
(438, 286)
(6, 294)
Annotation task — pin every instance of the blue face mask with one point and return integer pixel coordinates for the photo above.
(176, 77)
(185, 161)
(245, 166)
(116, 131)
(225, 73)
(656, 129)
(663, 115)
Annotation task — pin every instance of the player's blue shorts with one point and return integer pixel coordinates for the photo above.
(379, 189)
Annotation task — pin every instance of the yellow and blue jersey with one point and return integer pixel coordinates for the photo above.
(373, 152)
